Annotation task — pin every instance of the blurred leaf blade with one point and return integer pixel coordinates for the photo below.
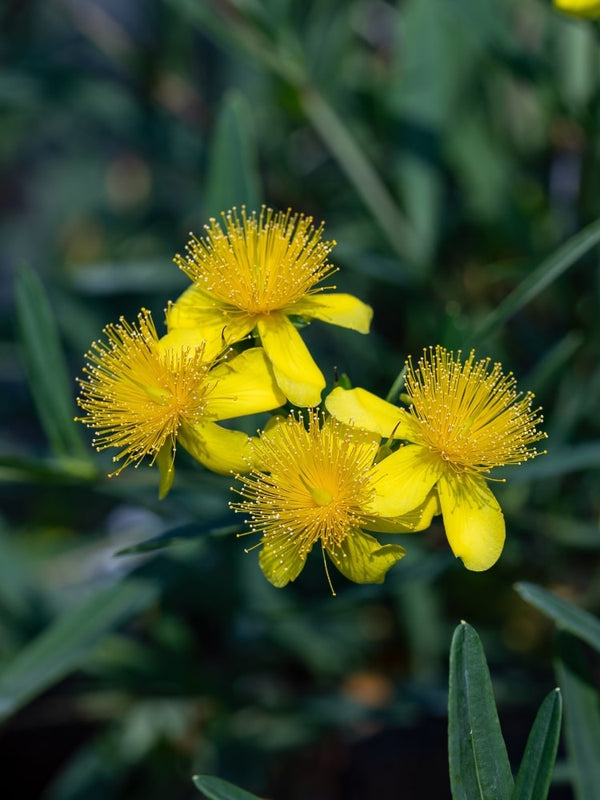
(218, 789)
(67, 642)
(575, 620)
(479, 766)
(232, 167)
(559, 461)
(47, 372)
(32, 470)
(582, 716)
(183, 533)
(367, 182)
(539, 279)
(535, 773)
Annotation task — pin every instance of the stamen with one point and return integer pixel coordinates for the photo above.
(315, 483)
(470, 413)
(256, 265)
(327, 571)
(137, 393)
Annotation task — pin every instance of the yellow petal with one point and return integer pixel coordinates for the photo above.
(281, 566)
(403, 480)
(580, 8)
(473, 520)
(417, 520)
(344, 310)
(364, 409)
(218, 322)
(362, 559)
(295, 371)
(190, 339)
(219, 449)
(246, 385)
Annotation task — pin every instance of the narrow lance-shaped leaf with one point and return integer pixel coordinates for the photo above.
(582, 716)
(560, 461)
(233, 172)
(218, 789)
(67, 642)
(182, 533)
(535, 772)
(565, 615)
(539, 279)
(48, 378)
(479, 766)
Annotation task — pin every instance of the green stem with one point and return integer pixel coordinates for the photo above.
(360, 172)
(397, 386)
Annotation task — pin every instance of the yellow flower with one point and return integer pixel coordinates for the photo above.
(314, 484)
(143, 394)
(579, 8)
(252, 275)
(464, 419)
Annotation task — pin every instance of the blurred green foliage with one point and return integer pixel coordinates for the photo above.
(452, 147)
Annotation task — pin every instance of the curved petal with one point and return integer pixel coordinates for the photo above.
(403, 480)
(362, 559)
(417, 520)
(217, 321)
(365, 410)
(245, 385)
(295, 371)
(280, 565)
(189, 339)
(219, 449)
(473, 520)
(341, 309)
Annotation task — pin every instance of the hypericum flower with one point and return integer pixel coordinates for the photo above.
(252, 275)
(143, 394)
(314, 484)
(579, 8)
(464, 419)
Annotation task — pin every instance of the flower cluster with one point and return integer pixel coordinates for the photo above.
(329, 475)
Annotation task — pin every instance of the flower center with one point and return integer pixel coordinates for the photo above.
(321, 496)
(315, 483)
(139, 392)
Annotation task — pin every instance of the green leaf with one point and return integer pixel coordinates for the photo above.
(232, 166)
(218, 789)
(68, 641)
(48, 377)
(566, 530)
(575, 62)
(19, 593)
(535, 772)
(356, 164)
(182, 533)
(582, 716)
(108, 278)
(479, 766)
(22, 469)
(575, 620)
(559, 461)
(554, 361)
(539, 279)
